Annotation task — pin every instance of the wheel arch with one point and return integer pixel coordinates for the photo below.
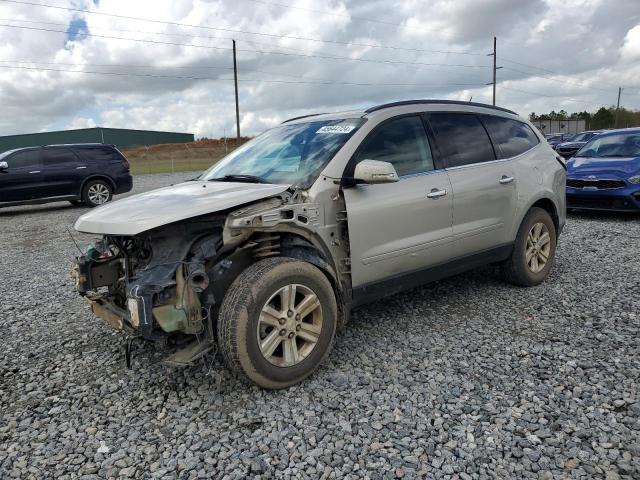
(546, 202)
(296, 244)
(550, 207)
(104, 177)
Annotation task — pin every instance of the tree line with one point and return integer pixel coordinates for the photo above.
(605, 117)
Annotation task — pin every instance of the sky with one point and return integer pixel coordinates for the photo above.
(167, 64)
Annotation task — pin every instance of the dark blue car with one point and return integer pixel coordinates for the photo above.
(605, 173)
(80, 173)
(570, 146)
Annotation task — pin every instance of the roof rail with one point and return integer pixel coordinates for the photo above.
(431, 102)
(302, 116)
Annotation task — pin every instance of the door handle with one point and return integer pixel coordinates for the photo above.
(504, 180)
(35, 171)
(435, 193)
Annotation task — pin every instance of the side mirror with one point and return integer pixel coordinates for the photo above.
(4, 166)
(375, 171)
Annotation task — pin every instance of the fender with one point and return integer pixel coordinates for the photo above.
(98, 176)
(546, 201)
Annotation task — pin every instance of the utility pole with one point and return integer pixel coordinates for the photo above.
(618, 106)
(494, 71)
(495, 68)
(235, 81)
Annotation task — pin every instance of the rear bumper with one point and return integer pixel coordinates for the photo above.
(621, 199)
(124, 184)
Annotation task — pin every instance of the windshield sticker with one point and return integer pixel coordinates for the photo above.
(336, 129)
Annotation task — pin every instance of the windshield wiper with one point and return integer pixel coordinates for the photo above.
(239, 177)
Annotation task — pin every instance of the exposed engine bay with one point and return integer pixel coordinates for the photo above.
(166, 284)
(156, 283)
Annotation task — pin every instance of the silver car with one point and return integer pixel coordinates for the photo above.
(263, 256)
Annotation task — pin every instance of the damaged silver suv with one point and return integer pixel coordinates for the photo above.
(264, 254)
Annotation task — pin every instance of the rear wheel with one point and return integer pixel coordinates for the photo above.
(533, 251)
(97, 192)
(277, 322)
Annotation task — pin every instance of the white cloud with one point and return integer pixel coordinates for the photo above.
(630, 51)
(82, 122)
(592, 46)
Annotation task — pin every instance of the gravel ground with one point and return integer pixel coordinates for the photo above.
(465, 378)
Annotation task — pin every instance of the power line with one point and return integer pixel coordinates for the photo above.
(181, 35)
(552, 96)
(557, 80)
(350, 17)
(146, 32)
(246, 32)
(535, 67)
(189, 77)
(325, 57)
(164, 34)
(325, 12)
(155, 67)
(579, 83)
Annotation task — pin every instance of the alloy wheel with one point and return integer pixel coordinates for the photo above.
(289, 325)
(538, 247)
(98, 193)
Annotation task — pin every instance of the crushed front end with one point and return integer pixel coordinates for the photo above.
(154, 285)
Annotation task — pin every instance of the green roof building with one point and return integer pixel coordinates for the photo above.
(120, 137)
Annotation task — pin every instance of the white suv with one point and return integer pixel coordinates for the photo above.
(265, 253)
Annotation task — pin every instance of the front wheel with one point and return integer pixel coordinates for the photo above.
(533, 251)
(277, 322)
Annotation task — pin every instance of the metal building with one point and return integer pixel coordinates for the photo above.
(121, 138)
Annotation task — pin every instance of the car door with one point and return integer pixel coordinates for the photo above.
(23, 179)
(400, 227)
(484, 188)
(60, 168)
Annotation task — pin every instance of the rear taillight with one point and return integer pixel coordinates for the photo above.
(123, 159)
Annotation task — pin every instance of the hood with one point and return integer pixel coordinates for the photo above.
(612, 166)
(145, 211)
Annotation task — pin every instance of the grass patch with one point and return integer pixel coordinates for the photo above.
(178, 157)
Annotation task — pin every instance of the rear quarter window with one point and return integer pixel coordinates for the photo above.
(510, 137)
(99, 154)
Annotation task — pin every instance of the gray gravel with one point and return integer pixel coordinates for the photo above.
(465, 378)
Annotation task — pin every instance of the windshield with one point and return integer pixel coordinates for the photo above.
(288, 154)
(620, 145)
(581, 137)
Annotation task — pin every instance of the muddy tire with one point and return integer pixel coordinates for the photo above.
(277, 322)
(533, 251)
(97, 192)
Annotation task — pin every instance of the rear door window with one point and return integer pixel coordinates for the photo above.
(57, 156)
(461, 138)
(26, 158)
(99, 154)
(402, 142)
(510, 137)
